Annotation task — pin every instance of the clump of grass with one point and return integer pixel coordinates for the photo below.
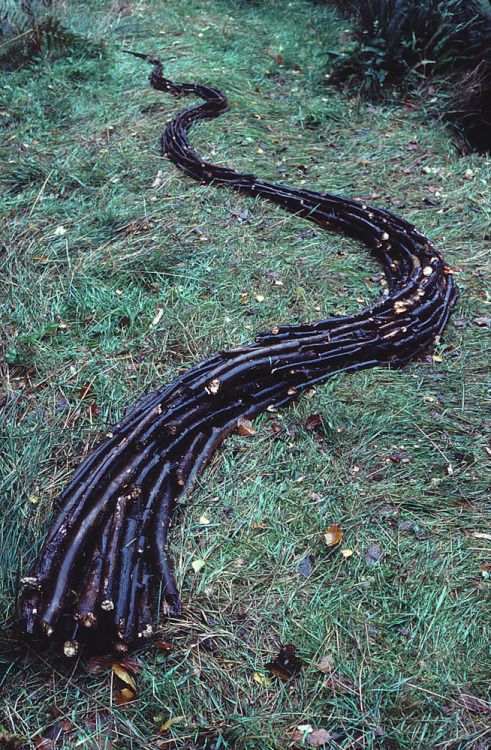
(100, 236)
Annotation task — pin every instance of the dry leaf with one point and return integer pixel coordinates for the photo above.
(333, 535)
(204, 521)
(245, 427)
(484, 321)
(373, 555)
(313, 421)
(157, 318)
(261, 679)
(124, 675)
(131, 665)
(346, 553)
(310, 737)
(123, 697)
(306, 566)
(99, 664)
(176, 720)
(318, 738)
(286, 665)
(326, 664)
(197, 565)
(481, 535)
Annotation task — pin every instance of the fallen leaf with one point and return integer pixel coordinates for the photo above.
(318, 738)
(204, 521)
(131, 665)
(124, 675)
(373, 555)
(157, 318)
(481, 535)
(159, 178)
(313, 421)
(333, 535)
(460, 321)
(197, 565)
(310, 737)
(245, 427)
(279, 59)
(176, 720)
(326, 664)
(99, 664)
(123, 697)
(484, 321)
(474, 704)
(261, 679)
(306, 566)
(346, 553)
(286, 665)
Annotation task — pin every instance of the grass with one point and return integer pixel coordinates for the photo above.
(118, 273)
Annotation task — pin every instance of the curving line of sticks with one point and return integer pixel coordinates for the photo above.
(108, 541)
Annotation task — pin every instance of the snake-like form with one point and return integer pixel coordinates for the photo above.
(106, 553)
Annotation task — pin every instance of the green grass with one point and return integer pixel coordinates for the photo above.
(401, 459)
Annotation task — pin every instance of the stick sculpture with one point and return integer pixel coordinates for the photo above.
(106, 552)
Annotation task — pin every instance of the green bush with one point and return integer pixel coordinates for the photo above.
(400, 42)
(401, 38)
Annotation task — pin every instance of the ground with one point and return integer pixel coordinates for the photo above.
(118, 272)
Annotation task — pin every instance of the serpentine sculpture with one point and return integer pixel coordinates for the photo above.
(106, 552)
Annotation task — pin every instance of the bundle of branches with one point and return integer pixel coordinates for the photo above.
(402, 41)
(106, 551)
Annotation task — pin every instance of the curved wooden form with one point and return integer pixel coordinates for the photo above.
(108, 541)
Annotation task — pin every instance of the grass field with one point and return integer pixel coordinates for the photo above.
(118, 272)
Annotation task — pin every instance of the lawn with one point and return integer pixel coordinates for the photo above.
(118, 273)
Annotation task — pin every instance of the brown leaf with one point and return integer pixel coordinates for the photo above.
(124, 675)
(309, 737)
(373, 555)
(131, 665)
(460, 321)
(333, 535)
(286, 665)
(318, 738)
(279, 59)
(245, 427)
(474, 704)
(326, 664)
(313, 421)
(123, 697)
(99, 664)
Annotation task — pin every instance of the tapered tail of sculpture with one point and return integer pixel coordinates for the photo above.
(106, 552)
